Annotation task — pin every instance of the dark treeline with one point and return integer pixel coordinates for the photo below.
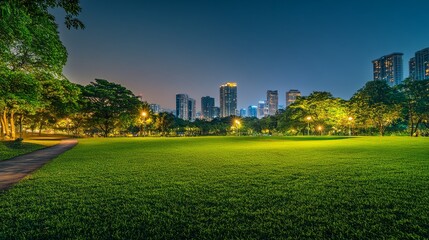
(104, 108)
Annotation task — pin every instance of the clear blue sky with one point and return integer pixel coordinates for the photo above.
(159, 48)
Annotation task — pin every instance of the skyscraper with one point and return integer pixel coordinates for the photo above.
(272, 102)
(412, 68)
(262, 109)
(421, 62)
(155, 108)
(243, 112)
(291, 96)
(216, 112)
(389, 68)
(252, 111)
(182, 106)
(207, 104)
(228, 99)
(191, 109)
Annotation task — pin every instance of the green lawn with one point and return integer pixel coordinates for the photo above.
(9, 149)
(226, 188)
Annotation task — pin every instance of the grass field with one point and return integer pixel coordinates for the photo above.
(8, 150)
(226, 188)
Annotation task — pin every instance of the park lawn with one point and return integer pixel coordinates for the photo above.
(226, 188)
(9, 150)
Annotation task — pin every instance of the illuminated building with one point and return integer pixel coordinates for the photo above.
(412, 67)
(420, 71)
(191, 109)
(228, 99)
(262, 109)
(182, 106)
(243, 112)
(207, 105)
(389, 68)
(291, 96)
(252, 111)
(155, 108)
(272, 102)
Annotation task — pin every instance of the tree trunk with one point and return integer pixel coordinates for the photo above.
(5, 124)
(40, 127)
(12, 126)
(21, 117)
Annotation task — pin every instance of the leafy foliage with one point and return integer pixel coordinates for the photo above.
(108, 103)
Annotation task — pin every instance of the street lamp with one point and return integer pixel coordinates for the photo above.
(320, 130)
(350, 122)
(237, 125)
(144, 114)
(308, 126)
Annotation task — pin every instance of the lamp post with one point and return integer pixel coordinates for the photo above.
(350, 123)
(144, 114)
(308, 126)
(237, 126)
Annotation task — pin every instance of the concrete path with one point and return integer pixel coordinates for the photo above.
(14, 169)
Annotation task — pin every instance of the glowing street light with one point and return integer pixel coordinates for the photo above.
(350, 123)
(320, 129)
(144, 114)
(308, 126)
(237, 125)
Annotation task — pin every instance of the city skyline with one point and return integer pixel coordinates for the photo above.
(158, 49)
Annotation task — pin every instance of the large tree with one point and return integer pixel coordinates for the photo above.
(416, 103)
(318, 109)
(108, 103)
(30, 46)
(376, 104)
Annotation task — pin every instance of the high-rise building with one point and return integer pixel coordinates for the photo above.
(207, 104)
(412, 68)
(272, 102)
(243, 112)
(262, 109)
(389, 68)
(191, 109)
(216, 112)
(228, 99)
(252, 111)
(182, 106)
(155, 108)
(421, 65)
(291, 96)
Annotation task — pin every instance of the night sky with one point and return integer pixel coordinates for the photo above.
(160, 48)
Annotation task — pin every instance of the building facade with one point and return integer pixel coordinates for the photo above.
(207, 105)
(262, 109)
(243, 112)
(155, 108)
(291, 96)
(252, 111)
(272, 102)
(389, 68)
(191, 109)
(228, 99)
(420, 70)
(216, 112)
(182, 104)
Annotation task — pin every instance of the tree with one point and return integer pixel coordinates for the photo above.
(321, 108)
(30, 45)
(163, 122)
(19, 93)
(416, 103)
(376, 104)
(108, 103)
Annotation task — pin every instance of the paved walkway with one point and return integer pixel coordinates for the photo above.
(13, 170)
